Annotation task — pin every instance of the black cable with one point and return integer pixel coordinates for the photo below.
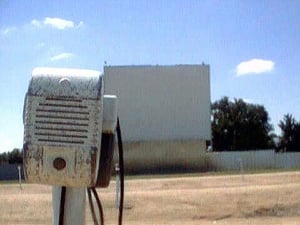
(101, 216)
(62, 205)
(121, 165)
(92, 206)
(99, 205)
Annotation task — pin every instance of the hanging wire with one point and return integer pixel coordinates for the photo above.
(92, 207)
(121, 166)
(62, 205)
(93, 191)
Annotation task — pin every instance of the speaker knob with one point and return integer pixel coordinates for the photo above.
(59, 163)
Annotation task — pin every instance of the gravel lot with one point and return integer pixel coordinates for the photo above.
(271, 198)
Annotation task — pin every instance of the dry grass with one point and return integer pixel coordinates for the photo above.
(272, 198)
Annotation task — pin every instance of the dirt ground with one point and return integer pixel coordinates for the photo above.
(272, 198)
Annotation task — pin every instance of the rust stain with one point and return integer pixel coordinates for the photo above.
(93, 165)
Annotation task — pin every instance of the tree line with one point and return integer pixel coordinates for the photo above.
(236, 126)
(13, 157)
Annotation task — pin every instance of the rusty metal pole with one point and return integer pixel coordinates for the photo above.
(74, 207)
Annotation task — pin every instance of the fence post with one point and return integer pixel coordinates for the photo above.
(20, 177)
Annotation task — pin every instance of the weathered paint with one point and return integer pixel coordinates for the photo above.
(78, 171)
(63, 119)
(83, 84)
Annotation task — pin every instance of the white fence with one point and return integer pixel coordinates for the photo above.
(155, 156)
(249, 160)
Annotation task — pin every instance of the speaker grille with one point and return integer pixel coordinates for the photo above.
(62, 121)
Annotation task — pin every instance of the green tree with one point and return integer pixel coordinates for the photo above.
(290, 134)
(3, 158)
(238, 125)
(15, 156)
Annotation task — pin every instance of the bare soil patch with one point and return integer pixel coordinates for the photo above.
(272, 198)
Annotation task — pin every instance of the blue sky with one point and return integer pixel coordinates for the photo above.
(252, 47)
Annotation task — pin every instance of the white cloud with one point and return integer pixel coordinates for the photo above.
(61, 56)
(56, 23)
(254, 66)
(7, 30)
(36, 23)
